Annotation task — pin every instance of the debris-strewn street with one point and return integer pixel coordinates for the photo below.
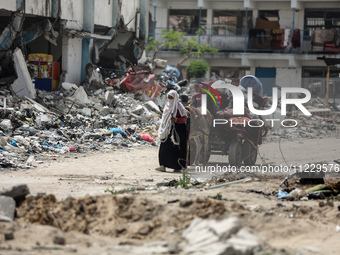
(169, 127)
(68, 192)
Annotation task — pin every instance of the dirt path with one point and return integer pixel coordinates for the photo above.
(286, 227)
(78, 175)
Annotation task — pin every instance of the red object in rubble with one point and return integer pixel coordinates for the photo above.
(148, 138)
(141, 80)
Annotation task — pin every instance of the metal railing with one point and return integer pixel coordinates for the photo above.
(263, 40)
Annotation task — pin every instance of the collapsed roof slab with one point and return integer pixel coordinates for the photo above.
(22, 86)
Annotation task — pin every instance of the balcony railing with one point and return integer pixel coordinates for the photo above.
(265, 40)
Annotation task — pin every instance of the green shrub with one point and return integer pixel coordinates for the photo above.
(197, 68)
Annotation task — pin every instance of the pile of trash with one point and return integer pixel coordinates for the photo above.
(320, 191)
(70, 121)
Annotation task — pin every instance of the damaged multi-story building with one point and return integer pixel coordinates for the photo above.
(282, 42)
(70, 34)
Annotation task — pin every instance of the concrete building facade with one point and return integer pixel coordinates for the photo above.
(279, 41)
(85, 28)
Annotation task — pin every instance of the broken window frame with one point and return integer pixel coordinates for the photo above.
(220, 21)
(192, 19)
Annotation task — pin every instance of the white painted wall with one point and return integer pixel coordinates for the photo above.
(10, 5)
(71, 62)
(37, 7)
(230, 5)
(73, 10)
(299, 18)
(128, 11)
(322, 4)
(286, 18)
(103, 13)
(273, 5)
(224, 62)
(270, 63)
(286, 77)
(161, 17)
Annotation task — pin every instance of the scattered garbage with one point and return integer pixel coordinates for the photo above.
(320, 191)
(70, 121)
(281, 194)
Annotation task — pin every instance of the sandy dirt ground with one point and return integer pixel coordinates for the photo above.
(284, 227)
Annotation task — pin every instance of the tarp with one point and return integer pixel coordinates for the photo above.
(143, 81)
(172, 73)
(252, 81)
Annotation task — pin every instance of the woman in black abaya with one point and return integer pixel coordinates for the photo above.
(173, 135)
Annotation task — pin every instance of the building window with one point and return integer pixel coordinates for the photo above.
(187, 20)
(269, 15)
(314, 79)
(322, 18)
(231, 22)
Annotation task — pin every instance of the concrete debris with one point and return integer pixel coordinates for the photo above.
(219, 237)
(36, 105)
(324, 122)
(152, 106)
(17, 192)
(80, 97)
(7, 207)
(109, 97)
(311, 128)
(69, 121)
(5, 218)
(22, 86)
(244, 242)
(68, 89)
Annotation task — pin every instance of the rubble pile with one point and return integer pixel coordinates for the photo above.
(315, 127)
(70, 121)
(324, 122)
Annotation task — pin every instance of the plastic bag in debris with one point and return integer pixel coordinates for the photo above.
(6, 124)
(281, 194)
(148, 138)
(118, 131)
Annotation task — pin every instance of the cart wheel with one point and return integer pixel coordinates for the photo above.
(235, 153)
(249, 154)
